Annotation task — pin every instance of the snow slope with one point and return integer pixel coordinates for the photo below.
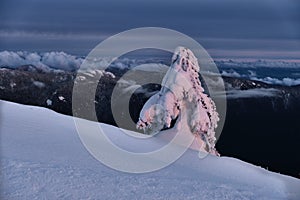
(42, 158)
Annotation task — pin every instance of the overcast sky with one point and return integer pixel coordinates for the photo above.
(226, 28)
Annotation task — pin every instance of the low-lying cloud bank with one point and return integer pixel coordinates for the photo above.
(258, 63)
(55, 60)
(284, 81)
(63, 61)
(256, 93)
(252, 76)
(44, 61)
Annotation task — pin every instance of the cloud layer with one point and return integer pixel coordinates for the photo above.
(44, 61)
(257, 63)
(257, 92)
(57, 60)
(252, 76)
(63, 61)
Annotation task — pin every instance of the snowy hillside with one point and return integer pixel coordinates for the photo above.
(42, 158)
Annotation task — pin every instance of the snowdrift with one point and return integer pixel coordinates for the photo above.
(42, 157)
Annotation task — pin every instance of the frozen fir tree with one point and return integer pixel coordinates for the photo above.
(182, 98)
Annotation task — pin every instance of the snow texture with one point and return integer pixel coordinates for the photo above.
(182, 88)
(39, 84)
(49, 102)
(42, 158)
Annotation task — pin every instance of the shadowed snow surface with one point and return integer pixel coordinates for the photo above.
(42, 158)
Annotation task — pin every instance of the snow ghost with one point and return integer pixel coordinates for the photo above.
(182, 98)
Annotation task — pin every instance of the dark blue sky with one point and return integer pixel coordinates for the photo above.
(258, 29)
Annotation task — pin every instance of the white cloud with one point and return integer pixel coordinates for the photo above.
(257, 92)
(259, 63)
(61, 60)
(44, 61)
(284, 81)
(10, 59)
(252, 76)
(231, 74)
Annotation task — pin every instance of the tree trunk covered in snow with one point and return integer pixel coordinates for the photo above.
(182, 92)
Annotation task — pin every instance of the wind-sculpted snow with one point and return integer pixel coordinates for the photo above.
(43, 158)
(182, 92)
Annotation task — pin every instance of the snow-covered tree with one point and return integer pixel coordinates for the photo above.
(182, 92)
